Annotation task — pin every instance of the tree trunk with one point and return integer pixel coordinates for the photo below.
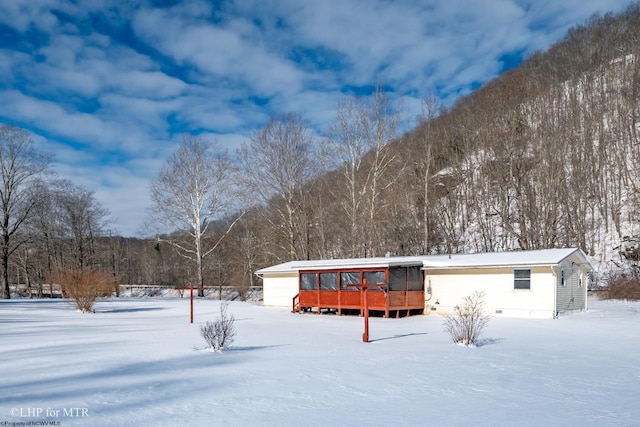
(200, 276)
(5, 270)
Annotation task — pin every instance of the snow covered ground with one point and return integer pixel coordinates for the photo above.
(138, 362)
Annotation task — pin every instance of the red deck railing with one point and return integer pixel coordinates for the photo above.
(295, 304)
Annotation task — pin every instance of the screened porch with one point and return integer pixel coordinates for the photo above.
(400, 291)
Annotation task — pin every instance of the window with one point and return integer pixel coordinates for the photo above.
(308, 282)
(328, 281)
(349, 278)
(406, 278)
(398, 279)
(415, 279)
(374, 277)
(521, 279)
(563, 281)
(580, 280)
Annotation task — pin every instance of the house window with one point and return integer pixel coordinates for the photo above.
(374, 277)
(397, 279)
(308, 282)
(580, 280)
(563, 281)
(349, 278)
(415, 279)
(328, 281)
(521, 279)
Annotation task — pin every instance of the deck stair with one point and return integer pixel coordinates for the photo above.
(296, 304)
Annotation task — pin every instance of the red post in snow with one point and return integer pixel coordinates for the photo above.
(364, 300)
(190, 289)
(365, 335)
(191, 317)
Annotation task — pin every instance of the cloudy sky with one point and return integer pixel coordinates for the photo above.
(109, 87)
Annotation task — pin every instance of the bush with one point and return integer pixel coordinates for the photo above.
(220, 333)
(84, 286)
(465, 327)
(624, 287)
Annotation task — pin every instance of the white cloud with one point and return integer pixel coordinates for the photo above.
(21, 14)
(114, 101)
(148, 84)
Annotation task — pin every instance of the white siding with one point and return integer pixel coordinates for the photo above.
(572, 295)
(279, 290)
(449, 287)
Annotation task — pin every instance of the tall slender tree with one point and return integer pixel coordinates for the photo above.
(191, 190)
(275, 166)
(357, 142)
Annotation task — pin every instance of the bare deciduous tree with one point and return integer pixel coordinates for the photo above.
(425, 161)
(190, 191)
(357, 142)
(81, 219)
(275, 166)
(21, 167)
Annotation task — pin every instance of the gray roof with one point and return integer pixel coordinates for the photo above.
(479, 260)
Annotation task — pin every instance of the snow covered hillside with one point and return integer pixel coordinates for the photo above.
(139, 362)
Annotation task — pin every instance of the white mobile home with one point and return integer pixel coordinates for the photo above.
(538, 284)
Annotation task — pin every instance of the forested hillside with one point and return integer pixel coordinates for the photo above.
(547, 155)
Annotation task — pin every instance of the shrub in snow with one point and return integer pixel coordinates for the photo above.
(83, 286)
(465, 327)
(220, 333)
(624, 287)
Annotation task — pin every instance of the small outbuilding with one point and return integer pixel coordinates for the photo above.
(537, 284)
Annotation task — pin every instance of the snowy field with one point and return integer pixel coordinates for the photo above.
(138, 362)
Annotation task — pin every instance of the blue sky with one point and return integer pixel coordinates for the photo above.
(109, 87)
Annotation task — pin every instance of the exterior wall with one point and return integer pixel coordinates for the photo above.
(450, 286)
(572, 294)
(279, 289)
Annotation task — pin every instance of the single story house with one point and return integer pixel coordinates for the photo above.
(537, 284)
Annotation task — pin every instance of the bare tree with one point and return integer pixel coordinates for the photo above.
(357, 141)
(346, 145)
(68, 221)
(22, 167)
(275, 166)
(82, 219)
(425, 161)
(191, 190)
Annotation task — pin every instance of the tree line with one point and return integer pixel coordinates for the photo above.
(545, 155)
(46, 222)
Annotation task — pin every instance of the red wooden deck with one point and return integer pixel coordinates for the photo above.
(338, 291)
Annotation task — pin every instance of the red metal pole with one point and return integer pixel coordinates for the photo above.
(191, 288)
(365, 335)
